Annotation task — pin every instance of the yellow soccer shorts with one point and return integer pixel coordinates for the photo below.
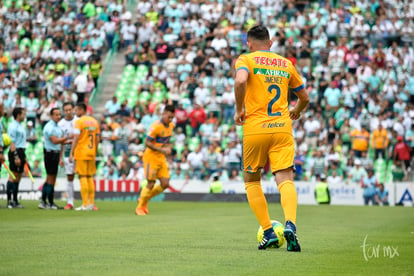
(85, 167)
(278, 148)
(155, 167)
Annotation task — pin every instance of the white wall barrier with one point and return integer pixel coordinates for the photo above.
(341, 194)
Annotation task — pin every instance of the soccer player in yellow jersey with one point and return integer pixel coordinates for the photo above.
(84, 149)
(262, 83)
(155, 158)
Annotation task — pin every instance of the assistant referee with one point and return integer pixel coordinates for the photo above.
(17, 156)
(53, 139)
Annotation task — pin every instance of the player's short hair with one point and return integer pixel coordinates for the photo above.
(17, 111)
(169, 108)
(53, 110)
(258, 32)
(66, 104)
(81, 106)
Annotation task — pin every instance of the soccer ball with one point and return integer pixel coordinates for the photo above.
(6, 140)
(279, 229)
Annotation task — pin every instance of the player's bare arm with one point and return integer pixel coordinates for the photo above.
(303, 100)
(240, 93)
(61, 155)
(55, 140)
(98, 137)
(74, 144)
(163, 150)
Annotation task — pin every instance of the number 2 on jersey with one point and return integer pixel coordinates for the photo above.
(273, 101)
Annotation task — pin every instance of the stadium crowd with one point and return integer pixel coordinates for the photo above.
(356, 59)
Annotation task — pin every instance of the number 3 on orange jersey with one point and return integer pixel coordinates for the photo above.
(90, 145)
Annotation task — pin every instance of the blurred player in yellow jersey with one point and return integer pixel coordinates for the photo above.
(262, 83)
(155, 158)
(84, 148)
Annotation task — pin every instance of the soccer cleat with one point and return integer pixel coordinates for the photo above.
(145, 207)
(43, 205)
(17, 205)
(269, 240)
(91, 207)
(291, 238)
(68, 207)
(54, 207)
(11, 204)
(82, 208)
(140, 212)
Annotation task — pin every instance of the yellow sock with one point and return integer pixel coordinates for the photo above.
(145, 196)
(91, 192)
(289, 200)
(84, 189)
(258, 203)
(156, 191)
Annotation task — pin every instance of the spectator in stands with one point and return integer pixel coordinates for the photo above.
(162, 50)
(355, 172)
(334, 166)
(195, 160)
(228, 103)
(197, 117)
(402, 153)
(366, 161)
(31, 105)
(121, 138)
(80, 86)
(36, 170)
(136, 173)
(3, 59)
(381, 196)
(379, 141)
(110, 169)
(369, 184)
(232, 155)
(312, 128)
(31, 136)
(399, 173)
(123, 170)
(318, 164)
(181, 117)
(344, 133)
(409, 137)
(44, 112)
(124, 110)
(106, 138)
(95, 70)
(213, 161)
(112, 106)
(205, 132)
(299, 164)
(360, 140)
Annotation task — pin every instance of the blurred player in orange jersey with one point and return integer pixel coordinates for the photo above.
(84, 148)
(155, 158)
(262, 83)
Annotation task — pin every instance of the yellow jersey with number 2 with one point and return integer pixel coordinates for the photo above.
(87, 128)
(266, 101)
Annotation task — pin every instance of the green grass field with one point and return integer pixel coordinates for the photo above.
(180, 238)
